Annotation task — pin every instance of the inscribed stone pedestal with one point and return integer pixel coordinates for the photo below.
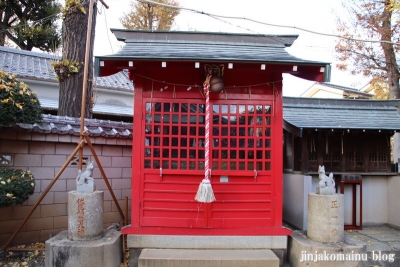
(85, 215)
(325, 217)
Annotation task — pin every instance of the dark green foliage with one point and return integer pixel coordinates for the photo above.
(30, 23)
(18, 104)
(16, 185)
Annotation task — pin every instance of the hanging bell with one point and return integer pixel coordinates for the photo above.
(216, 84)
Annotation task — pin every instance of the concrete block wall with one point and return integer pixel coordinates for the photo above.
(44, 155)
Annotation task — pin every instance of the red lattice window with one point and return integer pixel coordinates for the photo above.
(240, 137)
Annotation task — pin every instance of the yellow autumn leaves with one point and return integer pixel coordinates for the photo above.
(7, 83)
(72, 5)
(65, 68)
(16, 185)
(18, 104)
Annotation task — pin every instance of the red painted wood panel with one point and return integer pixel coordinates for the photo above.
(168, 158)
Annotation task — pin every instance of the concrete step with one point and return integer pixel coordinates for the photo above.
(207, 258)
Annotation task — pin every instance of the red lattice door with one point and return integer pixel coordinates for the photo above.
(173, 163)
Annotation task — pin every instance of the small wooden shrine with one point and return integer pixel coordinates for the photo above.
(169, 156)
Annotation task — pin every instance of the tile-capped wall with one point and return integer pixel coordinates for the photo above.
(44, 155)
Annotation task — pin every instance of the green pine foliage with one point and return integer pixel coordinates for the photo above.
(18, 104)
(30, 24)
(16, 185)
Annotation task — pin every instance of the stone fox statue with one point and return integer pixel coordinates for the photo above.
(326, 185)
(86, 176)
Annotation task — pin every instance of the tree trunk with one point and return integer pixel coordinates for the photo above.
(74, 44)
(2, 37)
(390, 55)
(150, 16)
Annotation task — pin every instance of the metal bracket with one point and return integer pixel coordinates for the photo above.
(255, 173)
(160, 172)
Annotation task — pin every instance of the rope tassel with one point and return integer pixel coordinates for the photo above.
(205, 193)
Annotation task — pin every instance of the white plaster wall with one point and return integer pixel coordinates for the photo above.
(296, 188)
(113, 98)
(393, 200)
(102, 96)
(315, 181)
(375, 199)
(43, 89)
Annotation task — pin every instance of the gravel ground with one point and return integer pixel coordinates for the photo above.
(32, 257)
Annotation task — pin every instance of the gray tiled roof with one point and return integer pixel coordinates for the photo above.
(346, 89)
(342, 113)
(119, 80)
(206, 46)
(35, 65)
(68, 125)
(27, 63)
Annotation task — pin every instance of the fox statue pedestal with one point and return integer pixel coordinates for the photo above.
(85, 243)
(326, 218)
(85, 215)
(325, 243)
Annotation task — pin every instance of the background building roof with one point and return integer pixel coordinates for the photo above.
(317, 113)
(36, 66)
(345, 92)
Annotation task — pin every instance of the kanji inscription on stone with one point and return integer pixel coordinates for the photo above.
(81, 216)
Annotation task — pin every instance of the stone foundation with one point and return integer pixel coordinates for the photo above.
(303, 252)
(103, 252)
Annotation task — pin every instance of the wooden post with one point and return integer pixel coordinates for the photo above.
(85, 77)
(304, 154)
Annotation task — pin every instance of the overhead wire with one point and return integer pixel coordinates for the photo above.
(108, 36)
(266, 23)
(32, 22)
(235, 25)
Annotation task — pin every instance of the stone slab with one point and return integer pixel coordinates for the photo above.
(325, 217)
(103, 252)
(378, 230)
(303, 252)
(206, 242)
(385, 237)
(395, 245)
(372, 244)
(201, 258)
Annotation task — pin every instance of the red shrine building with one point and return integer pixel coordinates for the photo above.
(245, 129)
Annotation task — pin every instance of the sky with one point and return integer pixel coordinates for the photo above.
(314, 15)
